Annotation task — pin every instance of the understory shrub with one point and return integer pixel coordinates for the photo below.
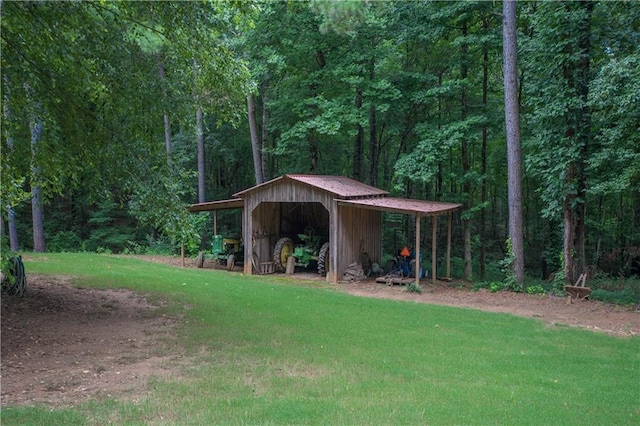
(622, 291)
(65, 241)
(412, 287)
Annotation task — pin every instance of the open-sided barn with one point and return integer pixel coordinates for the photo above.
(346, 212)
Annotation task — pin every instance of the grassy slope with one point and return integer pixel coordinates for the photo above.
(272, 352)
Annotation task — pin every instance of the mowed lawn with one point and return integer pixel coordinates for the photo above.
(273, 351)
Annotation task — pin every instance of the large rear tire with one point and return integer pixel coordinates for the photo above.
(323, 259)
(281, 252)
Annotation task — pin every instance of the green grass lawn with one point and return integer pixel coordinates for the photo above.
(271, 351)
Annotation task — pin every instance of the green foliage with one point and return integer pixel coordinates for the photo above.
(535, 289)
(506, 265)
(492, 286)
(621, 291)
(559, 280)
(152, 246)
(615, 94)
(5, 255)
(349, 88)
(65, 241)
(157, 202)
(341, 17)
(412, 287)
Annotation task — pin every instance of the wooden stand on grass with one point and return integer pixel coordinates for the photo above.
(578, 291)
(291, 265)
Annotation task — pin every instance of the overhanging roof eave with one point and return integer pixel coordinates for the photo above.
(402, 205)
(232, 203)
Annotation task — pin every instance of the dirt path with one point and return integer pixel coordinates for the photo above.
(62, 345)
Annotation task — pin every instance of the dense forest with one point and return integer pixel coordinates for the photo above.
(117, 115)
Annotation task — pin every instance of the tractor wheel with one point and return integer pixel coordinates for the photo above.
(231, 262)
(281, 252)
(323, 259)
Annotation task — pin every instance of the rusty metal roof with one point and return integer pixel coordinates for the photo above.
(403, 205)
(233, 203)
(342, 187)
(348, 192)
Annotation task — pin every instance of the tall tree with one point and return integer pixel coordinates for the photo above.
(91, 76)
(255, 141)
(514, 151)
(37, 207)
(202, 194)
(14, 243)
(559, 59)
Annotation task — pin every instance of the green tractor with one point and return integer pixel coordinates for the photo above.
(312, 249)
(227, 251)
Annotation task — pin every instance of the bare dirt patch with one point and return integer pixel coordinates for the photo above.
(63, 345)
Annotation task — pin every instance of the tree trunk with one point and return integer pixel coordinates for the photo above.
(373, 131)
(514, 151)
(265, 135)
(255, 142)
(37, 210)
(483, 154)
(578, 132)
(201, 171)
(373, 146)
(358, 141)
(167, 122)
(466, 165)
(11, 214)
(313, 152)
(584, 132)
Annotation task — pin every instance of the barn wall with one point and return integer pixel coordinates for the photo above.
(288, 191)
(357, 230)
(263, 214)
(266, 225)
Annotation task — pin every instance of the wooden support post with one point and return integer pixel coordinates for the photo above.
(291, 265)
(417, 251)
(434, 229)
(449, 218)
(215, 222)
(182, 253)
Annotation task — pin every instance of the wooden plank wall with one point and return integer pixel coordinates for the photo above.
(357, 230)
(266, 225)
(350, 229)
(263, 214)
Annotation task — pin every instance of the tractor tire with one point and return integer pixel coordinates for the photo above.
(281, 252)
(231, 262)
(323, 259)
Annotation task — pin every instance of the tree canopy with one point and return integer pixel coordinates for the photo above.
(406, 96)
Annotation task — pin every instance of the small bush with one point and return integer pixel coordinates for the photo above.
(160, 246)
(492, 286)
(412, 287)
(65, 242)
(536, 289)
